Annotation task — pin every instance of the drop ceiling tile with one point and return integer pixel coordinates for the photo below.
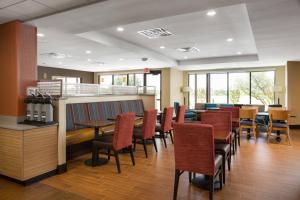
(8, 3)
(64, 4)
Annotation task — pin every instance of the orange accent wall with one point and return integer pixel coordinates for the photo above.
(18, 66)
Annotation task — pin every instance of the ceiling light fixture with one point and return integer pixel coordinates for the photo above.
(185, 57)
(211, 13)
(121, 59)
(40, 34)
(162, 47)
(60, 63)
(88, 51)
(239, 53)
(89, 60)
(229, 39)
(120, 29)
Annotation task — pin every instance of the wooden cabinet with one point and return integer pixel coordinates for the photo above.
(28, 153)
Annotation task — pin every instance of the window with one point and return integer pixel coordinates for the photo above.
(262, 87)
(218, 88)
(139, 79)
(131, 79)
(192, 92)
(201, 88)
(120, 80)
(154, 80)
(105, 79)
(239, 88)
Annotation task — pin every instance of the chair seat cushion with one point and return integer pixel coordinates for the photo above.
(279, 125)
(218, 161)
(158, 127)
(138, 132)
(222, 148)
(246, 122)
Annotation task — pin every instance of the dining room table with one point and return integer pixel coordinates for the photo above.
(96, 124)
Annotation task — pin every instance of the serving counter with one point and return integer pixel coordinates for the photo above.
(28, 153)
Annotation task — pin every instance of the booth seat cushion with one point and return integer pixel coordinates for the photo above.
(226, 105)
(79, 136)
(211, 105)
(80, 113)
(69, 118)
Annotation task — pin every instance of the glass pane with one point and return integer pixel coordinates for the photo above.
(239, 88)
(154, 80)
(218, 88)
(131, 79)
(201, 88)
(105, 79)
(139, 79)
(262, 87)
(192, 91)
(120, 80)
(72, 80)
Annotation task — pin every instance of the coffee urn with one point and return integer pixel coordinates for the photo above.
(29, 108)
(47, 109)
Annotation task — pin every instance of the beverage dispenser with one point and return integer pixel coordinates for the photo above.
(47, 109)
(29, 108)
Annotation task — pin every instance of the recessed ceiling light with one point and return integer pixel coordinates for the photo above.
(121, 59)
(89, 60)
(229, 39)
(88, 51)
(211, 13)
(60, 63)
(162, 47)
(239, 53)
(185, 57)
(120, 29)
(40, 34)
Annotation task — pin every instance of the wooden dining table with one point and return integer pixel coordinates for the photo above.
(96, 124)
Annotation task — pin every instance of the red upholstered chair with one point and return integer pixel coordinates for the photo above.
(221, 121)
(180, 114)
(120, 139)
(147, 131)
(194, 150)
(235, 114)
(166, 125)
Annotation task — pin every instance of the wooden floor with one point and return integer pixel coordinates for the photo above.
(259, 171)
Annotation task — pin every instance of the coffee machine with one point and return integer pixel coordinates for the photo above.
(47, 109)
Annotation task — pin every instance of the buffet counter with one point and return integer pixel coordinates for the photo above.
(28, 153)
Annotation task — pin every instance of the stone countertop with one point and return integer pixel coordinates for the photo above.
(21, 127)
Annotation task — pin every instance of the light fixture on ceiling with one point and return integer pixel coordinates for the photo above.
(185, 57)
(162, 47)
(188, 49)
(155, 33)
(88, 51)
(239, 53)
(89, 60)
(60, 63)
(229, 39)
(211, 13)
(121, 59)
(40, 34)
(120, 29)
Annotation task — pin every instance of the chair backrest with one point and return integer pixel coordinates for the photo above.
(166, 123)
(123, 130)
(282, 115)
(235, 111)
(220, 120)
(248, 113)
(194, 148)
(180, 114)
(149, 122)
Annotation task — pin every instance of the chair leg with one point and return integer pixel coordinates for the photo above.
(117, 161)
(176, 183)
(224, 166)
(164, 138)
(171, 136)
(108, 153)
(229, 161)
(288, 136)
(145, 148)
(190, 177)
(211, 187)
(239, 138)
(221, 177)
(154, 143)
(132, 156)
(134, 142)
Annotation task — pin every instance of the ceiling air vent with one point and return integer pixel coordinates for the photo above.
(155, 33)
(188, 49)
(56, 55)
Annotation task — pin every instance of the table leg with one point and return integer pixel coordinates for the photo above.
(95, 155)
